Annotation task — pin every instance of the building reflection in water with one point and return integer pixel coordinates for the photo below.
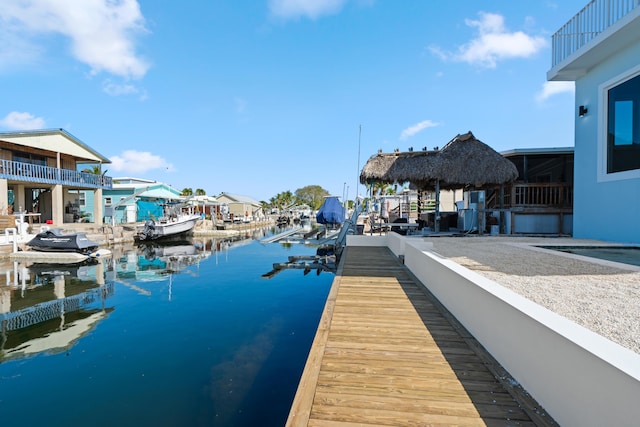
(50, 307)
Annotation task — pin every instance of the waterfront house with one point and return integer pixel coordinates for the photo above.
(39, 175)
(204, 204)
(240, 208)
(135, 199)
(598, 49)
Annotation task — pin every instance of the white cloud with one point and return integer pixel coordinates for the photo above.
(418, 127)
(101, 32)
(22, 121)
(137, 162)
(553, 88)
(117, 89)
(311, 9)
(15, 50)
(493, 43)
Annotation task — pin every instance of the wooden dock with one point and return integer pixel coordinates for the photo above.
(386, 353)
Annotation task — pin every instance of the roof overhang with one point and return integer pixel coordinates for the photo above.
(537, 151)
(610, 41)
(55, 140)
(160, 193)
(156, 191)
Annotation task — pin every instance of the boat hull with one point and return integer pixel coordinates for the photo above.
(153, 230)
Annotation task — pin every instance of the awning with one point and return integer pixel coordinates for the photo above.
(159, 193)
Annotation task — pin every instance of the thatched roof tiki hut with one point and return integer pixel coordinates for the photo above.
(465, 162)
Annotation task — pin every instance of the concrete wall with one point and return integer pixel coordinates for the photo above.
(541, 223)
(579, 377)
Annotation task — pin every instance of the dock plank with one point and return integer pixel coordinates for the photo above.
(386, 354)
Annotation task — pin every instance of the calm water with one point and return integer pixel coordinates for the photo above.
(148, 338)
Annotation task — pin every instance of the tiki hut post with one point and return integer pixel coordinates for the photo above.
(503, 228)
(436, 218)
(481, 215)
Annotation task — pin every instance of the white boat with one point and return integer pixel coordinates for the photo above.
(167, 226)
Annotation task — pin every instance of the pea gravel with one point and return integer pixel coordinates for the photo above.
(601, 296)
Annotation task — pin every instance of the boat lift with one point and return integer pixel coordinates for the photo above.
(306, 263)
(281, 236)
(327, 256)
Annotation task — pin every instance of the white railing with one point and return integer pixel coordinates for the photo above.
(592, 20)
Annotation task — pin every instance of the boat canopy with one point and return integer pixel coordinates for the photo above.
(331, 212)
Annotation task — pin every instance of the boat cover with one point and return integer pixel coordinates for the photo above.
(331, 212)
(54, 241)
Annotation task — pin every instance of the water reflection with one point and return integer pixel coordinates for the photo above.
(48, 307)
(183, 333)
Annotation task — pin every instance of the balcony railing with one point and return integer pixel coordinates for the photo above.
(557, 196)
(592, 20)
(28, 172)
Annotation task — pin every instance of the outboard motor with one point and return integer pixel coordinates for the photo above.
(148, 231)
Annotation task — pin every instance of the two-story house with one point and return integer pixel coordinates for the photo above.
(39, 175)
(599, 50)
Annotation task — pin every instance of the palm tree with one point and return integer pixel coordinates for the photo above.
(95, 169)
(200, 192)
(287, 198)
(187, 192)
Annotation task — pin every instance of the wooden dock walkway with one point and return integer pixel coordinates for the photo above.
(386, 353)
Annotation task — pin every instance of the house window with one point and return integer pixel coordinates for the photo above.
(623, 126)
(34, 159)
(82, 200)
(107, 201)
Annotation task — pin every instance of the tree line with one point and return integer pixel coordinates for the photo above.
(311, 195)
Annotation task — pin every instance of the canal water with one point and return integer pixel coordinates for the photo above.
(188, 334)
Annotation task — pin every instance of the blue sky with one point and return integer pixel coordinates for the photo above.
(256, 97)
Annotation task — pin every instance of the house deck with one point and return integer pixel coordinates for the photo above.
(387, 353)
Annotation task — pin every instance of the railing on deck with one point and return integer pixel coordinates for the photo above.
(47, 175)
(540, 196)
(592, 20)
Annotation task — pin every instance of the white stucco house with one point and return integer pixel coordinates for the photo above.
(599, 50)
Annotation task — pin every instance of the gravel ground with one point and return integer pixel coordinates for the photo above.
(598, 295)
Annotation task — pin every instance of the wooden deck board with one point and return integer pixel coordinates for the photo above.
(385, 354)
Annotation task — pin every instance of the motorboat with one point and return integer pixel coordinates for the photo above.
(53, 240)
(168, 226)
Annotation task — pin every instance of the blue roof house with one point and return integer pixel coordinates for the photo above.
(599, 50)
(133, 200)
